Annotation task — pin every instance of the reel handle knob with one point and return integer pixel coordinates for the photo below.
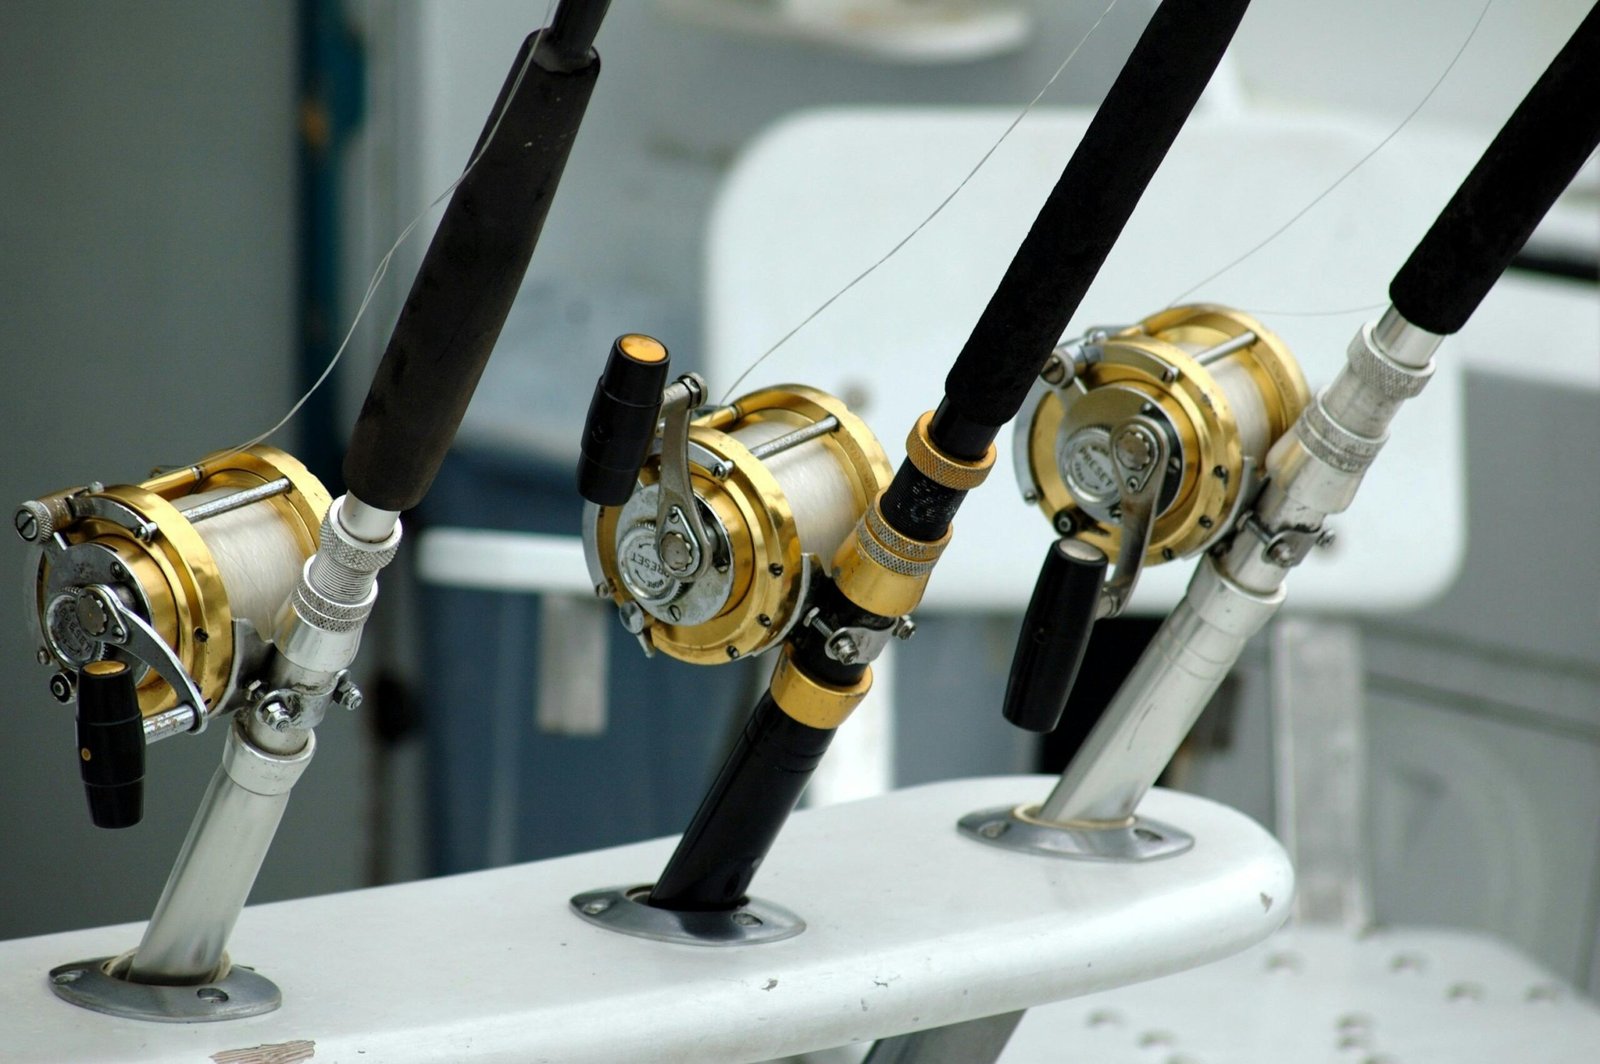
(1055, 632)
(111, 744)
(622, 419)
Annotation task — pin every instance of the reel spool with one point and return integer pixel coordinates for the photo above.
(180, 577)
(777, 479)
(1218, 388)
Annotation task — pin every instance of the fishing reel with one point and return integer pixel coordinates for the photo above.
(1142, 445)
(707, 526)
(156, 602)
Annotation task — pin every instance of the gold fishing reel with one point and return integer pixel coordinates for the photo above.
(711, 555)
(1158, 430)
(179, 577)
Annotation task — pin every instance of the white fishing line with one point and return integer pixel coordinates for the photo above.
(257, 554)
(1359, 163)
(984, 158)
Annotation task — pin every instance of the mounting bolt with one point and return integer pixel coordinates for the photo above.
(843, 649)
(905, 627)
(596, 907)
(347, 694)
(1281, 553)
(275, 715)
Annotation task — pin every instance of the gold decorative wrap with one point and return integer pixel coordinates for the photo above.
(809, 700)
(952, 473)
(881, 570)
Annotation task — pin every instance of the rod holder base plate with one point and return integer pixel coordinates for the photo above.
(1017, 828)
(625, 910)
(242, 992)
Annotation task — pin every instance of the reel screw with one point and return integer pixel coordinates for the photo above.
(1064, 523)
(61, 688)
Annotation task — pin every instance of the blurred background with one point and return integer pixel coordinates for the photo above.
(193, 196)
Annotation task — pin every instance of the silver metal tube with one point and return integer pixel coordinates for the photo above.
(1157, 704)
(217, 866)
(367, 522)
(794, 439)
(1226, 348)
(238, 500)
(179, 718)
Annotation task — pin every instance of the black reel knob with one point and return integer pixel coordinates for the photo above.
(1055, 632)
(622, 419)
(111, 744)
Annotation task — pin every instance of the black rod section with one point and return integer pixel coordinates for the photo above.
(1529, 163)
(470, 274)
(1081, 220)
(572, 32)
(743, 812)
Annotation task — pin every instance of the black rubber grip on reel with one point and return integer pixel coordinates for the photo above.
(742, 814)
(1082, 218)
(622, 419)
(1529, 163)
(111, 744)
(1055, 632)
(467, 282)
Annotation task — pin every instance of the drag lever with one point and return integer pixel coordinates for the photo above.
(1072, 591)
(111, 744)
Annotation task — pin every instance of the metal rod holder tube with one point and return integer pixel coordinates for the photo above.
(1155, 707)
(217, 866)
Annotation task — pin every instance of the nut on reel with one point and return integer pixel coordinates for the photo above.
(710, 554)
(178, 578)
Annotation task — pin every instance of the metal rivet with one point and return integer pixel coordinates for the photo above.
(994, 829)
(775, 569)
(67, 977)
(42, 656)
(747, 919)
(763, 620)
(1206, 522)
(733, 652)
(595, 908)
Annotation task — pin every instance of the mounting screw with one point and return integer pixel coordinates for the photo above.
(119, 571)
(1064, 523)
(42, 656)
(1057, 370)
(905, 627)
(776, 569)
(763, 620)
(994, 829)
(1281, 553)
(596, 907)
(674, 612)
(1030, 497)
(744, 919)
(1327, 538)
(602, 589)
(1206, 522)
(733, 653)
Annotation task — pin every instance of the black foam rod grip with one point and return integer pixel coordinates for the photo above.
(1055, 632)
(1530, 161)
(1082, 218)
(622, 419)
(465, 287)
(111, 744)
(740, 817)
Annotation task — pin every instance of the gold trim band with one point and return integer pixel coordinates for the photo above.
(810, 701)
(886, 578)
(941, 468)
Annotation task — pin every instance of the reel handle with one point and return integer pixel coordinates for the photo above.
(622, 419)
(111, 744)
(1055, 633)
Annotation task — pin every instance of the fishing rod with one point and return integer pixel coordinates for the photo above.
(1079, 457)
(667, 528)
(235, 588)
